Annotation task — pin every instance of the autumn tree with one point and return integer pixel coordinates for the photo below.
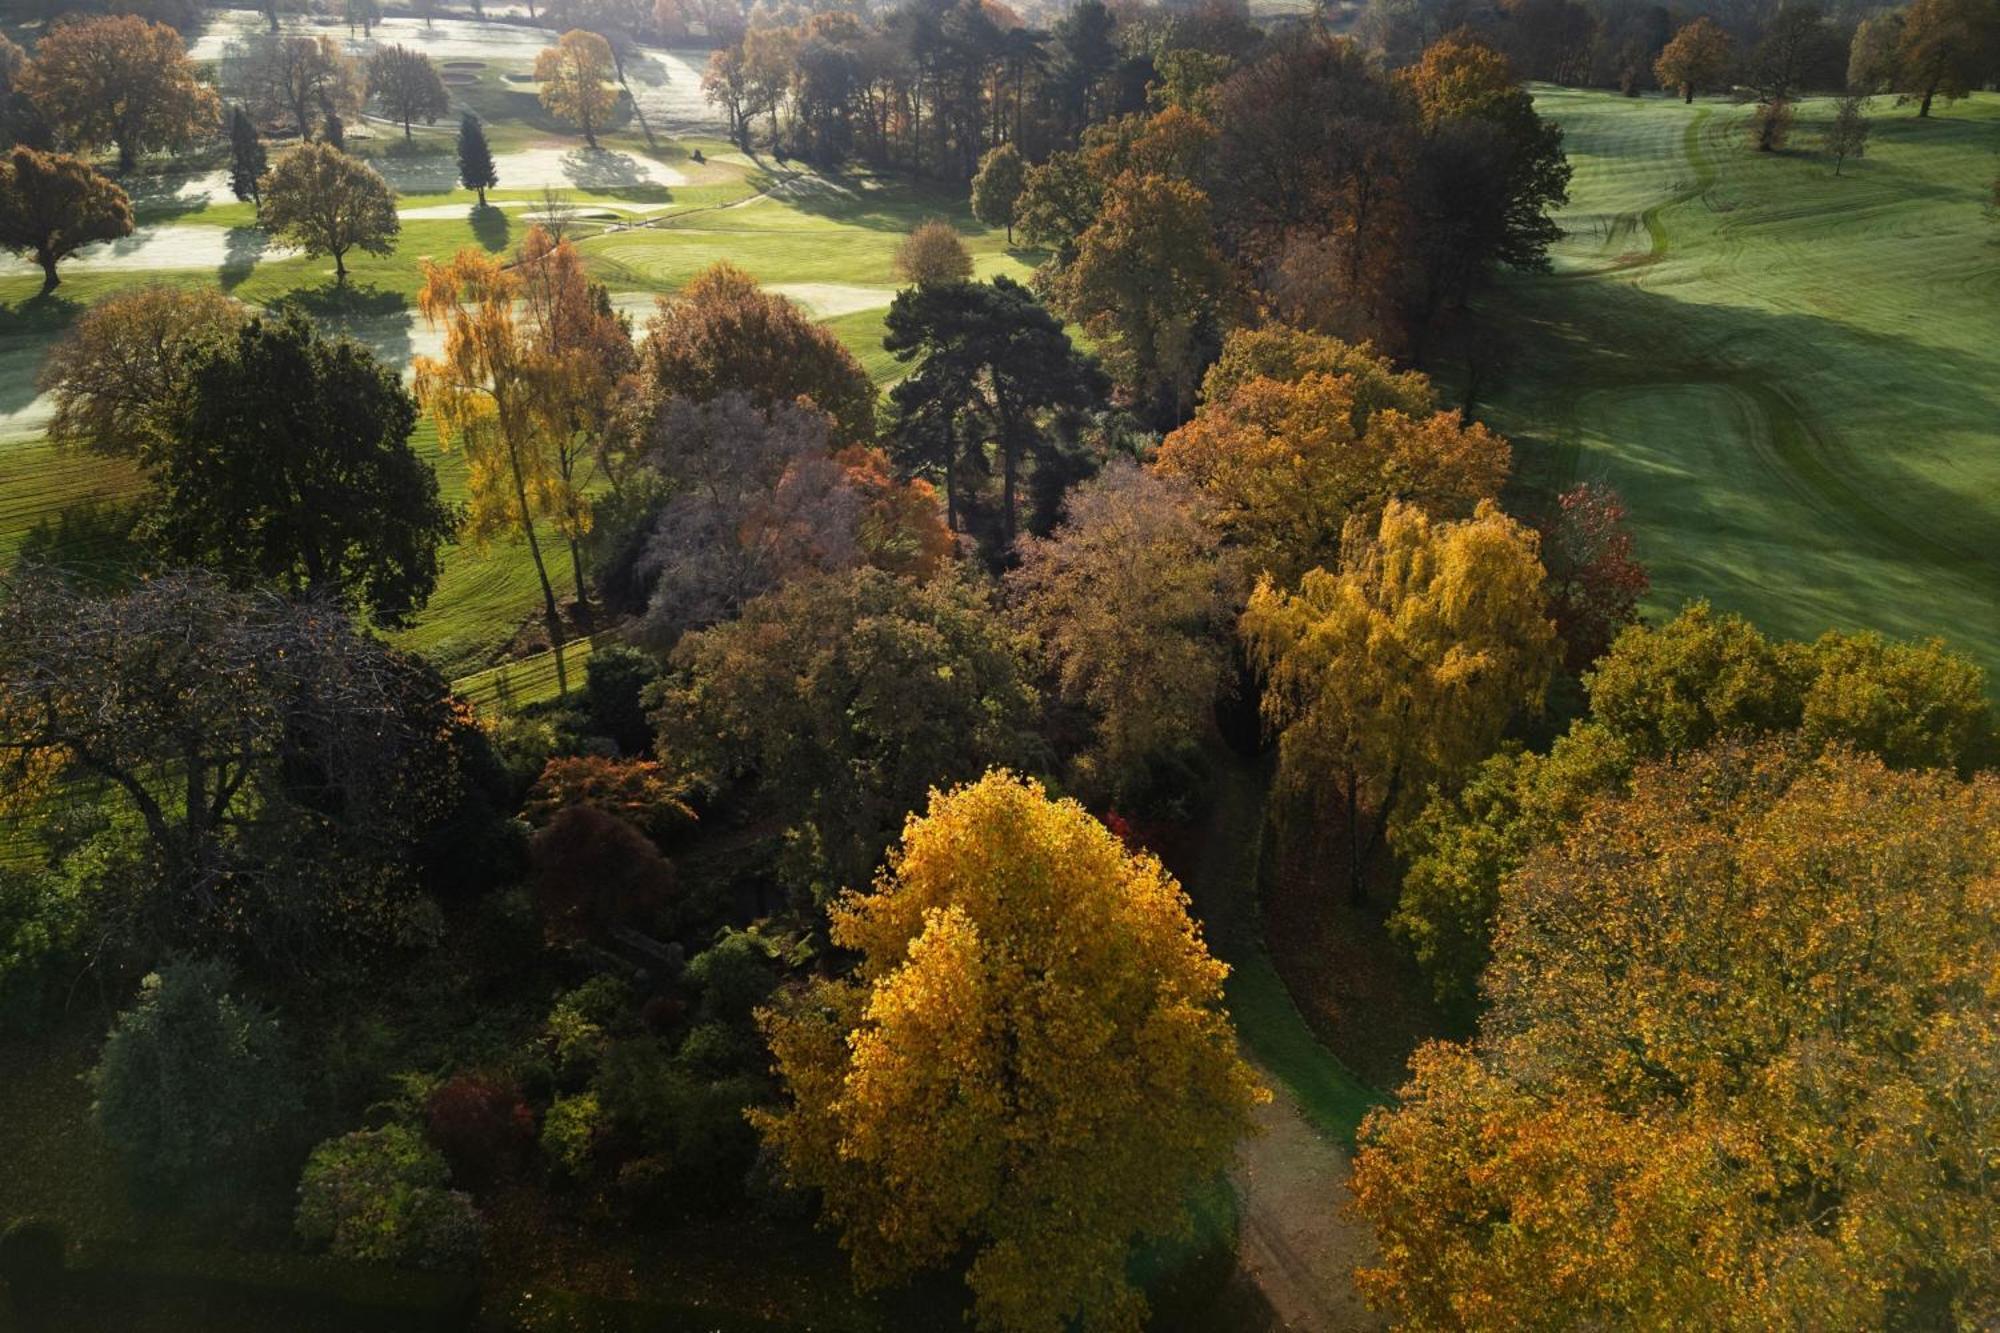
(118, 374)
(1146, 282)
(475, 158)
(119, 80)
(327, 203)
(1871, 59)
(1846, 135)
(300, 78)
(1298, 433)
(846, 697)
(261, 746)
(1696, 58)
(247, 159)
(574, 76)
(1667, 691)
(933, 253)
(342, 509)
(1032, 1065)
(1130, 601)
(484, 392)
(996, 190)
(407, 86)
(1740, 1062)
(588, 372)
(1400, 670)
(722, 332)
(1594, 583)
(1947, 49)
(989, 361)
(52, 204)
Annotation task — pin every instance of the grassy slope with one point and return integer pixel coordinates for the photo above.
(1790, 376)
(840, 237)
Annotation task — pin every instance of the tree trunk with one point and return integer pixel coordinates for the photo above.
(482, 196)
(127, 159)
(1929, 93)
(406, 129)
(576, 570)
(49, 278)
(339, 267)
(1687, 93)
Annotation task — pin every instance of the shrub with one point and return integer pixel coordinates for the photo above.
(734, 976)
(614, 683)
(381, 1195)
(933, 253)
(480, 1124)
(570, 1133)
(595, 872)
(580, 1026)
(194, 1088)
(691, 1122)
(637, 791)
(43, 922)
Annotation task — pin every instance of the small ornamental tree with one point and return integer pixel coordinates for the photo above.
(481, 1125)
(1847, 134)
(933, 253)
(594, 873)
(119, 80)
(1032, 1064)
(575, 76)
(407, 86)
(475, 158)
(382, 1195)
(1594, 583)
(996, 190)
(327, 203)
(638, 791)
(52, 205)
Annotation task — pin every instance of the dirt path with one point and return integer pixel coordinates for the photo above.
(1295, 1249)
(1295, 1253)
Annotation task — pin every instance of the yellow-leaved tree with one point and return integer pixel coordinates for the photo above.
(1032, 1063)
(1402, 669)
(486, 393)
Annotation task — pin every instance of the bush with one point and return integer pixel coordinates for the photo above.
(194, 1088)
(43, 923)
(570, 1134)
(595, 872)
(733, 976)
(480, 1124)
(381, 1195)
(637, 791)
(614, 682)
(581, 1024)
(691, 1122)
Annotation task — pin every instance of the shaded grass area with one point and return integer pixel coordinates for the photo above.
(1223, 886)
(1789, 375)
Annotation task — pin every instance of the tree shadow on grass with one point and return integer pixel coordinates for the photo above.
(243, 247)
(490, 228)
(96, 541)
(366, 313)
(27, 330)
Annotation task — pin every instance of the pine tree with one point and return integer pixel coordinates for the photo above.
(246, 158)
(475, 159)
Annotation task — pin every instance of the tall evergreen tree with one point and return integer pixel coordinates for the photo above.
(246, 158)
(475, 158)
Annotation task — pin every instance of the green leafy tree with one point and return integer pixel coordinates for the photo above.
(52, 205)
(407, 86)
(996, 190)
(1846, 135)
(382, 1195)
(847, 697)
(327, 203)
(247, 159)
(291, 463)
(194, 1087)
(989, 361)
(475, 158)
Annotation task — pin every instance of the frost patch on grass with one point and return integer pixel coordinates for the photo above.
(166, 248)
(830, 300)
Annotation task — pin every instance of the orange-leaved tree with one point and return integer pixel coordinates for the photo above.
(1032, 1064)
(119, 80)
(1741, 1068)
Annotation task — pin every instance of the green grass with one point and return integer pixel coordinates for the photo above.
(1790, 376)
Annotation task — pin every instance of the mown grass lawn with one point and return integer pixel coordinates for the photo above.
(1790, 375)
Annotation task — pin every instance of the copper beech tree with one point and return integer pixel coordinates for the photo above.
(1741, 1064)
(1032, 1064)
